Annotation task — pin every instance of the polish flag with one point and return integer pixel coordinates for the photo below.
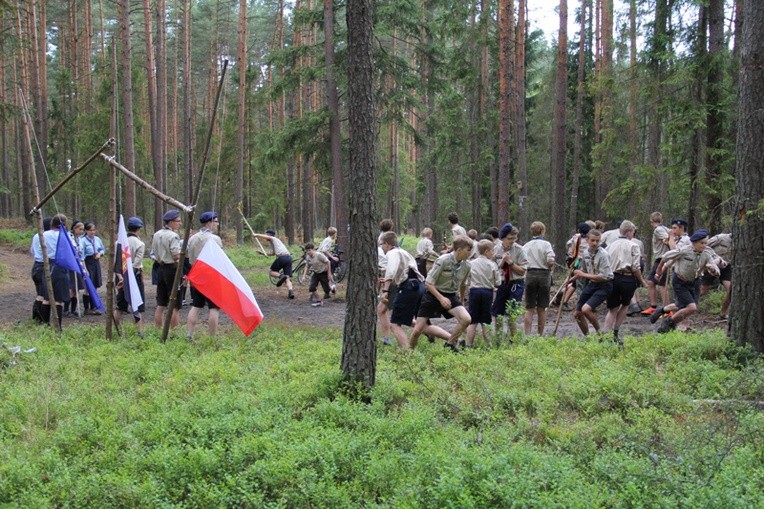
(215, 276)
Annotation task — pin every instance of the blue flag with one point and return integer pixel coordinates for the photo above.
(68, 257)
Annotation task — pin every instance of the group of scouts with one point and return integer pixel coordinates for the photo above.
(66, 283)
(494, 274)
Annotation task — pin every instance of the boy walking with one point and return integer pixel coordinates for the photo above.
(660, 243)
(484, 277)
(196, 243)
(599, 284)
(625, 260)
(538, 280)
(447, 277)
(425, 251)
(513, 265)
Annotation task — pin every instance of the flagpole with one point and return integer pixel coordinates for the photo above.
(110, 270)
(190, 211)
(40, 227)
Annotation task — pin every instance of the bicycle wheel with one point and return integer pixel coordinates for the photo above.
(339, 272)
(302, 279)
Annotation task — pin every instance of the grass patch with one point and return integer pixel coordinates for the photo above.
(259, 422)
(17, 237)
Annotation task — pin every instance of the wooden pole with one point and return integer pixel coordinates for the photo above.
(190, 210)
(110, 269)
(40, 229)
(40, 203)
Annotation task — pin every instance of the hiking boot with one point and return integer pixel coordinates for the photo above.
(453, 348)
(430, 338)
(327, 296)
(649, 311)
(282, 280)
(290, 294)
(633, 310)
(387, 341)
(666, 325)
(656, 315)
(462, 344)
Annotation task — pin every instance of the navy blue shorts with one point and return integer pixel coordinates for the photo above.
(431, 308)
(594, 294)
(726, 275)
(282, 262)
(198, 299)
(537, 285)
(664, 277)
(480, 304)
(38, 276)
(166, 279)
(685, 292)
(408, 297)
(59, 277)
(623, 290)
(504, 293)
(122, 303)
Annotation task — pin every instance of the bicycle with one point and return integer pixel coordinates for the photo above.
(338, 273)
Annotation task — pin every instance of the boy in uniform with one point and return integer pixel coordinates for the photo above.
(425, 251)
(722, 246)
(322, 273)
(513, 264)
(402, 289)
(447, 277)
(660, 242)
(210, 223)
(484, 277)
(625, 261)
(688, 262)
(578, 239)
(538, 279)
(166, 247)
(456, 230)
(283, 261)
(599, 276)
(137, 252)
(326, 247)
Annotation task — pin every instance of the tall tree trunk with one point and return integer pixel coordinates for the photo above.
(696, 156)
(522, 164)
(156, 152)
(578, 127)
(160, 61)
(715, 117)
(127, 103)
(242, 57)
(359, 348)
(633, 98)
(339, 202)
(656, 64)
(188, 131)
(506, 72)
(559, 134)
(746, 325)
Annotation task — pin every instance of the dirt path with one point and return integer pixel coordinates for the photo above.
(17, 294)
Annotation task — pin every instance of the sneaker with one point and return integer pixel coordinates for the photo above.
(656, 315)
(334, 289)
(316, 304)
(565, 307)
(462, 344)
(453, 348)
(290, 294)
(430, 338)
(649, 311)
(327, 296)
(666, 325)
(633, 310)
(282, 280)
(387, 341)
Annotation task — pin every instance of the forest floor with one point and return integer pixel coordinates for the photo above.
(17, 295)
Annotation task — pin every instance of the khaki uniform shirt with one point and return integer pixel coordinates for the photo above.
(399, 263)
(539, 252)
(688, 264)
(609, 237)
(279, 249)
(326, 245)
(624, 256)
(317, 262)
(598, 263)
(517, 253)
(683, 241)
(447, 275)
(660, 236)
(166, 245)
(137, 251)
(425, 249)
(457, 229)
(197, 242)
(722, 245)
(484, 273)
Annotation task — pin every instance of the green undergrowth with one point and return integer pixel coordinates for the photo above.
(20, 238)
(260, 422)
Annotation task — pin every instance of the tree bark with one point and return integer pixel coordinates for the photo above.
(559, 135)
(506, 72)
(359, 348)
(746, 325)
(522, 163)
(160, 60)
(127, 102)
(715, 117)
(578, 124)
(242, 112)
(188, 131)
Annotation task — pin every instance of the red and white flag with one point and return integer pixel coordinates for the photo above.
(215, 276)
